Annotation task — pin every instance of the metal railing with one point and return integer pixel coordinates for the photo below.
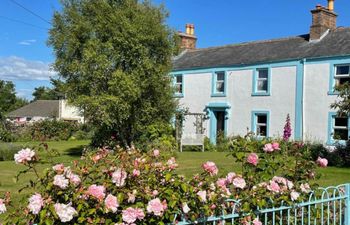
(326, 206)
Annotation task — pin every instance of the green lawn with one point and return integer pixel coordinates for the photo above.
(189, 164)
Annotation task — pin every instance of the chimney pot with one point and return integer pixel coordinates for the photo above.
(188, 28)
(188, 39)
(331, 5)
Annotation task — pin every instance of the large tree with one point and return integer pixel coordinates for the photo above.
(8, 99)
(46, 93)
(115, 56)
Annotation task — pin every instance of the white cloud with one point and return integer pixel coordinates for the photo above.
(24, 93)
(27, 42)
(16, 68)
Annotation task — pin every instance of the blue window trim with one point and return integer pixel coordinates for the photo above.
(213, 84)
(253, 121)
(255, 92)
(330, 140)
(210, 109)
(332, 65)
(179, 95)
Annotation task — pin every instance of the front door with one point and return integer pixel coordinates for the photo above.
(217, 124)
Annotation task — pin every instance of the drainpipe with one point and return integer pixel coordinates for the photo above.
(302, 103)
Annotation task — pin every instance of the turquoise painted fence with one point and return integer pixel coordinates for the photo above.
(326, 206)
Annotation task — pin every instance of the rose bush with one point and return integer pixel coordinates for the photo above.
(117, 186)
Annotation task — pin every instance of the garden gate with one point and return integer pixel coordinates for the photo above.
(326, 206)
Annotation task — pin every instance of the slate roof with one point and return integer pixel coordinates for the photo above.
(40, 108)
(335, 43)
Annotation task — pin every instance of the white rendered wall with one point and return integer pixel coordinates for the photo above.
(197, 94)
(317, 102)
(68, 112)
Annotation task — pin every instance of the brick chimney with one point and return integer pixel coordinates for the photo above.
(188, 39)
(323, 19)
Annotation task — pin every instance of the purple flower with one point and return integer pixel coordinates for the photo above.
(287, 131)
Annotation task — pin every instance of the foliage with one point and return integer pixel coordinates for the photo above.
(339, 156)
(115, 57)
(46, 93)
(131, 187)
(8, 99)
(52, 130)
(342, 104)
(7, 151)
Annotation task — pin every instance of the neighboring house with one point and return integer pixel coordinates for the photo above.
(253, 86)
(45, 109)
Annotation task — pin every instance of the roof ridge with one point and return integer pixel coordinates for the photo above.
(251, 42)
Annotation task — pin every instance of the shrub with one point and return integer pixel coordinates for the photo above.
(7, 151)
(131, 187)
(339, 156)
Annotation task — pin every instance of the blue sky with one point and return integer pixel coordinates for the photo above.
(25, 58)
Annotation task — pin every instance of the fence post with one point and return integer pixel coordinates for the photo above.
(347, 204)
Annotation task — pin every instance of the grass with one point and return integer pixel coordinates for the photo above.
(189, 164)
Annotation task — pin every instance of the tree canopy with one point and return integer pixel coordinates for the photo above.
(46, 93)
(8, 99)
(115, 56)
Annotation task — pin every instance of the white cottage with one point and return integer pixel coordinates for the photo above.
(255, 85)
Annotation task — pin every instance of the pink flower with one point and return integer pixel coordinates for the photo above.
(268, 148)
(256, 221)
(36, 202)
(2, 206)
(156, 152)
(60, 181)
(211, 168)
(136, 173)
(294, 195)
(65, 212)
(74, 179)
(155, 193)
(276, 146)
(253, 159)
(23, 156)
(58, 168)
(97, 191)
(305, 188)
(132, 196)
(230, 176)
(274, 187)
(202, 195)
(221, 182)
(156, 207)
(111, 203)
(322, 162)
(130, 215)
(118, 177)
(185, 208)
(172, 163)
(239, 182)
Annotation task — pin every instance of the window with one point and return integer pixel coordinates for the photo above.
(339, 128)
(219, 84)
(179, 87)
(342, 74)
(260, 123)
(261, 82)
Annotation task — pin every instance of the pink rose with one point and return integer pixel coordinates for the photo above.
(185, 208)
(305, 188)
(74, 179)
(24, 156)
(322, 162)
(221, 182)
(155, 193)
(111, 203)
(65, 212)
(136, 173)
(230, 176)
(156, 153)
(97, 191)
(239, 182)
(294, 195)
(36, 202)
(130, 215)
(132, 197)
(202, 195)
(211, 168)
(58, 168)
(276, 146)
(253, 159)
(118, 177)
(60, 181)
(156, 207)
(256, 221)
(172, 163)
(268, 148)
(274, 187)
(2, 206)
